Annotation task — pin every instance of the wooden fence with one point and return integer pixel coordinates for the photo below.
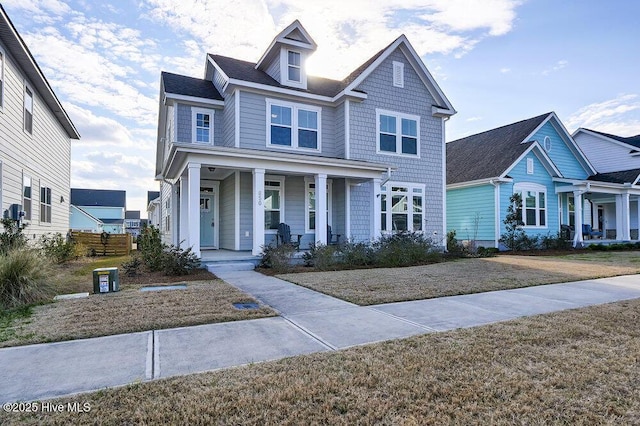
(112, 245)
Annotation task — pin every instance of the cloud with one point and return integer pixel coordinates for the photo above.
(471, 119)
(505, 70)
(557, 67)
(619, 116)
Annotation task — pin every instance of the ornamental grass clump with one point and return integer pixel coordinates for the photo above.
(24, 278)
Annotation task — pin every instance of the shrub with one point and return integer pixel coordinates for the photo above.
(513, 238)
(277, 258)
(131, 268)
(178, 261)
(151, 248)
(404, 249)
(322, 256)
(13, 236)
(356, 254)
(557, 242)
(58, 248)
(454, 247)
(24, 278)
(487, 251)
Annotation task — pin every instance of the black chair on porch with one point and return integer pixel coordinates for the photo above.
(330, 237)
(284, 236)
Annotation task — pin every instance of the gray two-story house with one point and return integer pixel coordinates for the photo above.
(253, 145)
(35, 141)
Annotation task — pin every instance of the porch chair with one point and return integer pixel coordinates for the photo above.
(588, 231)
(284, 236)
(330, 239)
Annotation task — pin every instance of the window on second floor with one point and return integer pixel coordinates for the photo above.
(202, 125)
(293, 125)
(45, 204)
(28, 110)
(26, 196)
(398, 133)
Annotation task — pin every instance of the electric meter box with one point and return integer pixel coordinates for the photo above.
(105, 280)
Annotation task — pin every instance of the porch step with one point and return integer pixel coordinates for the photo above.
(247, 265)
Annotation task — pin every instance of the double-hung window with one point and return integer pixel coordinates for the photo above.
(28, 109)
(45, 204)
(202, 125)
(293, 125)
(402, 207)
(26, 196)
(294, 66)
(534, 204)
(273, 203)
(310, 222)
(398, 133)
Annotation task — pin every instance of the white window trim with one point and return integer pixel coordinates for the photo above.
(282, 204)
(294, 125)
(284, 69)
(307, 187)
(398, 74)
(389, 193)
(194, 112)
(399, 116)
(33, 104)
(22, 198)
(534, 187)
(547, 143)
(42, 203)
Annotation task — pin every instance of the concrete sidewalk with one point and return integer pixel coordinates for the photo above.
(309, 322)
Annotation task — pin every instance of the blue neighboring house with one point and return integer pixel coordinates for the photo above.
(97, 210)
(255, 144)
(539, 159)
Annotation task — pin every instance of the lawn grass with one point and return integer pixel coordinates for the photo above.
(465, 276)
(206, 300)
(572, 367)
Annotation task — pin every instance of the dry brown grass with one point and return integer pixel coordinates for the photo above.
(572, 367)
(206, 300)
(384, 285)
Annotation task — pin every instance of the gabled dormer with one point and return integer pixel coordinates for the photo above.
(286, 56)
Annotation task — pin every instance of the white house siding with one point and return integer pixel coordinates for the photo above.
(226, 223)
(606, 156)
(44, 155)
(414, 99)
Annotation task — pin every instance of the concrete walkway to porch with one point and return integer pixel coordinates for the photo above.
(309, 322)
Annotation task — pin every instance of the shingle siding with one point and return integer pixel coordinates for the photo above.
(185, 125)
(414, 99)
(361, 205)
(339, 145)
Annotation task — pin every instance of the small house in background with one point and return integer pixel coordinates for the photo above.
(132, 222)
(35, 140)
(153, 208)
(108, 206)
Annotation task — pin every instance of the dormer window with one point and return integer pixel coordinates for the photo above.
(294, 71)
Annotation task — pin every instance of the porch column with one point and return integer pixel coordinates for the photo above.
(193, 236)
(577, 201)
(258, 211)
(321, 209)
(638, 214)
(183, 229)
(626, 216)
(376, 224)
(173, 221)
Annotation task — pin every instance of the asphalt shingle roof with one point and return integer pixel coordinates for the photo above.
(489, 154)
(98, 197)
(246, 71)
(189, 86)
(152, 195)
(624, 176)
(632, 140)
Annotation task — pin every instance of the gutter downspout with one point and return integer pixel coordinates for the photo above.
(496, 203)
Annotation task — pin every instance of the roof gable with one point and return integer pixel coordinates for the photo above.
(22, 55)
(632, 141)
(294, 35)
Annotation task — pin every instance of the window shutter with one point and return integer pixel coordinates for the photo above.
(398, 74)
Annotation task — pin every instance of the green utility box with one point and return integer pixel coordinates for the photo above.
(105, 280)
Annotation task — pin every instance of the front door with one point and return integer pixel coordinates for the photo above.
(207, 220)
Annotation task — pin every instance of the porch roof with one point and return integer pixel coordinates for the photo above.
(272, 161)
(624, 176)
